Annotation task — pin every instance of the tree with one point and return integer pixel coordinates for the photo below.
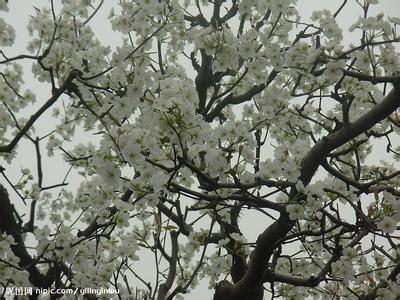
(207, 116)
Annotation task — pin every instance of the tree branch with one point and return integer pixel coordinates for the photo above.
(166, 286)
(57, 93)
(9, 226)
(382, 110)
(267, 241)
(246, 96)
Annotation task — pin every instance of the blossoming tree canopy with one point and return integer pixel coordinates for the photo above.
(231, 143)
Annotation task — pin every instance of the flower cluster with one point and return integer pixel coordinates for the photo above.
(205, 119)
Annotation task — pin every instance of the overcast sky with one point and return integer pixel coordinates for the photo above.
(18, 16)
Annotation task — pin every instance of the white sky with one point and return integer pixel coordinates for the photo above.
(18, 16)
